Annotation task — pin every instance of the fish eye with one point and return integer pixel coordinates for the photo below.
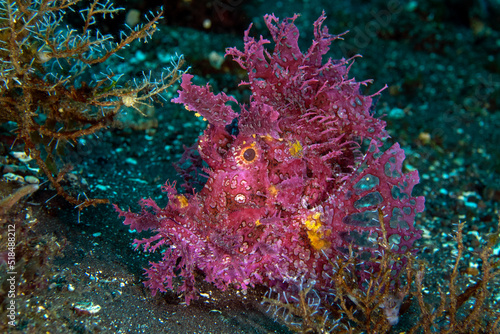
(249, 154)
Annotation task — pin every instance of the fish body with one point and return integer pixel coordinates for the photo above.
(300, 182)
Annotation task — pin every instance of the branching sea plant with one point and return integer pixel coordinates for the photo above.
(355, 304)
(376, 305)
(51, 85)
(464, 308)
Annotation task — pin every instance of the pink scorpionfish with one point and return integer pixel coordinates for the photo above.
(292, 187)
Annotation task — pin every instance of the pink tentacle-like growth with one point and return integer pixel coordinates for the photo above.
(293, 188)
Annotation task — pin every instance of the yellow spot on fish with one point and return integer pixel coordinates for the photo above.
(272, 190)
(268, 137)
(182, 201)
(296, 149)
(317, 242)
(315, 232)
